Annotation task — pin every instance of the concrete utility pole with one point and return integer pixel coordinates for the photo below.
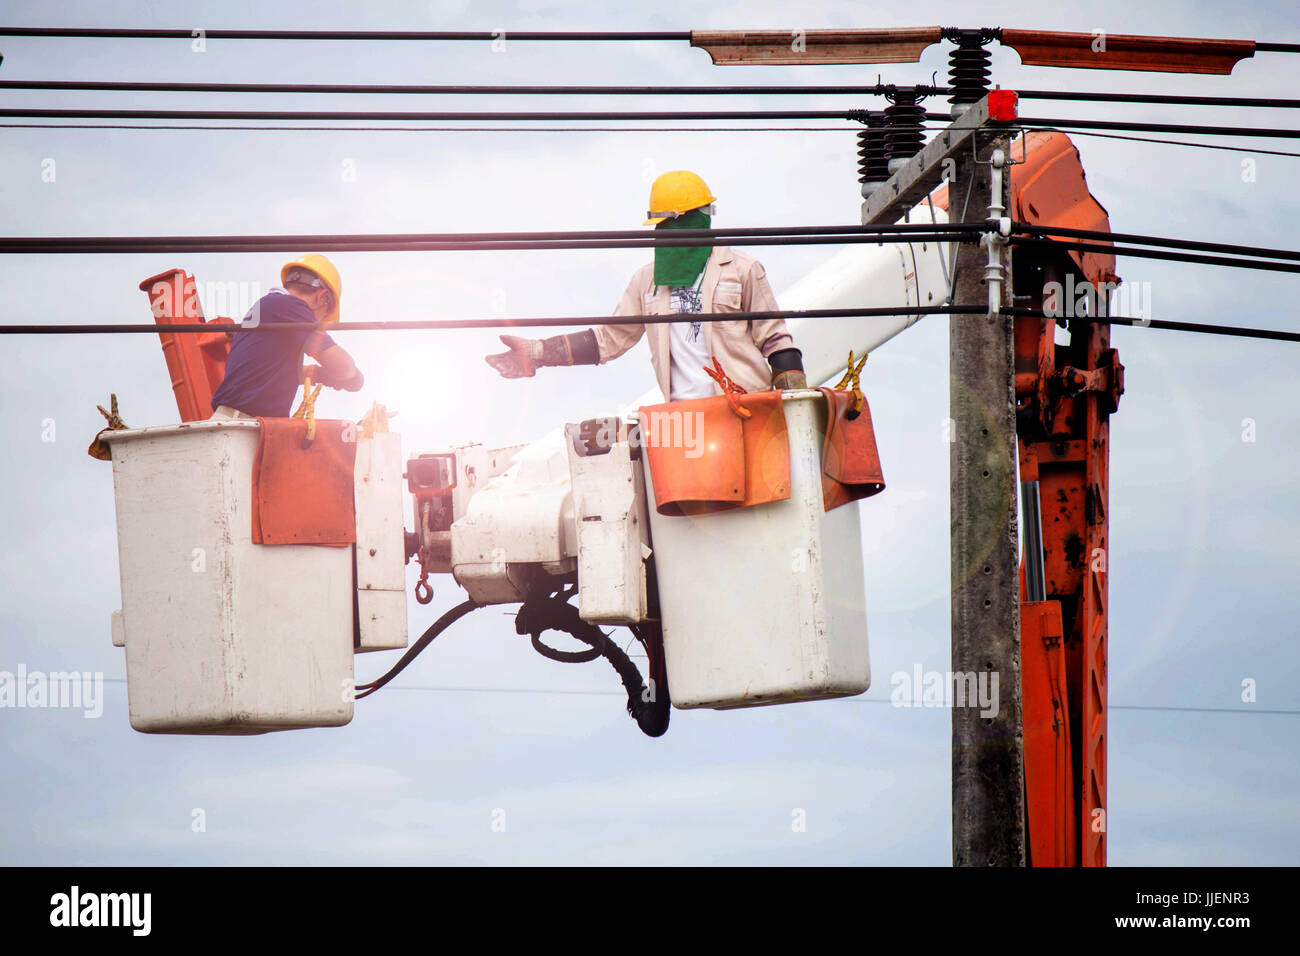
(988, 774)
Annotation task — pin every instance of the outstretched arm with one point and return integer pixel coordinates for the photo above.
(525, 356)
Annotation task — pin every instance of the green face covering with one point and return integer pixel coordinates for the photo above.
(681, 265)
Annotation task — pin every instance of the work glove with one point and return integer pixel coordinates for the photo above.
(787, 369)
(521, 359)
(320, 376)
(528, 355)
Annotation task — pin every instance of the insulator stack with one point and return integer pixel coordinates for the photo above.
(968, 70)
(903, 134)
(873, 159)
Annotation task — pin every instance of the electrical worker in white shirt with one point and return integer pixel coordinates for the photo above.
(759, 354)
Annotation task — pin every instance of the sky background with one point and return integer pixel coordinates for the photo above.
(1204, 526)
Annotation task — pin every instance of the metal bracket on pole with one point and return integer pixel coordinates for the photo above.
(998, 242)
(935, 163)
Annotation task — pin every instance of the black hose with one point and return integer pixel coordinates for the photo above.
(650, 708)
(564, 657)
(436, 628)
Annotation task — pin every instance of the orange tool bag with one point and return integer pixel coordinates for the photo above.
(303, 490)
(705, 457)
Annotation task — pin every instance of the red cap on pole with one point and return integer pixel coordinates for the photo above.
(1002, 106)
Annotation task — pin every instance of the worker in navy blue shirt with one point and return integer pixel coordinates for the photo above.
(265, 367)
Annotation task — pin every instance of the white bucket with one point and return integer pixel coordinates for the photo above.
(766, 604)
(222, 636)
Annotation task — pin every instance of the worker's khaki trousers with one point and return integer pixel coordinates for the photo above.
(225, 411)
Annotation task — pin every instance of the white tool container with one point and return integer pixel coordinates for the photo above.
(381, 544)
(766, 604)
(609, 517)
(222, 636)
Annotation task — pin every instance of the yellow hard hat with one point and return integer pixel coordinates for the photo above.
(676, 193)
(324, 270)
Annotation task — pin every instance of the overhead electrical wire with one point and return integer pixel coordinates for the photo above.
(596, 320)
(1075, 132)
(1066, 124)
(1191, 244)
(1169, 325)
(860, 699)
(617, 116)
(576, 239)
(877, 89)
(464, 129)
(126, 33)
(496, 323)
(427, 35)
(1022, 232)
(596, 129)
(1234, 262)
(873, 89)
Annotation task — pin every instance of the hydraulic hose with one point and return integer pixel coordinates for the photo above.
(436, 628)
(650, 708)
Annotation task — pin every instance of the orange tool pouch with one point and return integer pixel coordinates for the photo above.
(704, 457)
(304, 495)
(850, 462)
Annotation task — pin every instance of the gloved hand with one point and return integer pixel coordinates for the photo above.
(319, 375)
(521, 359)
(793, 379)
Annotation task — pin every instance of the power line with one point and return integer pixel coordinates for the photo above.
(1133, 252)
(428, 35)
(461, 324)
(439, 35)
(618, 116)
(573, 239)
(578, 692)
(876, 89)
(1192, 244)
(618, 239)
(1043, 122)
(1077, 132)
(1081, 96)
(474, 129)
(452, 324)
(435, 115)
(1204, 328)
(73, 247)
(860, 699)
(1254, 150)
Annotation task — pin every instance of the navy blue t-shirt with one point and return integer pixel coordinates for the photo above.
(262, 369)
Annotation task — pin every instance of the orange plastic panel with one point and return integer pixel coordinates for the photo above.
(304, 495)
(850, 461)
(196, 363)
(1123, 51)
(729, 462)
(1049, 775)
(802, 47)
(1050, 189)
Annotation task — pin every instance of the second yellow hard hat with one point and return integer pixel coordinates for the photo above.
(316, 263)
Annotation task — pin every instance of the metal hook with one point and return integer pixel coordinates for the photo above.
(423, 592)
